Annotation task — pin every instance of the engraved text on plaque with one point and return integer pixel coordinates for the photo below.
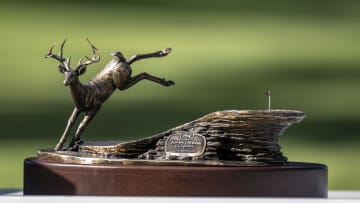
(186, 144)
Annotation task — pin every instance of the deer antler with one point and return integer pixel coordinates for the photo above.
(64, 62)
(93, 59)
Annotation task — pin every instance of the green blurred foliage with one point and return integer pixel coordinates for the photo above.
(226, 55)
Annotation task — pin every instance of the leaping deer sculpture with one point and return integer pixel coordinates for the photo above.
(90, 96)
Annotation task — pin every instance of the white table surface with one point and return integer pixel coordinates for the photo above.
(16, 196)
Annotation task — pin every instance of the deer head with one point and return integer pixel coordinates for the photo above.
(71, 74)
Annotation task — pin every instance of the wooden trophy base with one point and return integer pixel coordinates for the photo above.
(293, 180)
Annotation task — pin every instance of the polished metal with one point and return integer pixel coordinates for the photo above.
(232, 137)
(185, 145)
(89, 97)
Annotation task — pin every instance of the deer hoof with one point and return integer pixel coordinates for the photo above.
(169, 83)
(165, 51)
(75, 146)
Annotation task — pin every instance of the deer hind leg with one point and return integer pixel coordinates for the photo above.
(133, 80)
(76, 141)
(69, 125)
(137, 57)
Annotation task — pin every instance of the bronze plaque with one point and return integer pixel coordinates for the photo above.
(186, 144)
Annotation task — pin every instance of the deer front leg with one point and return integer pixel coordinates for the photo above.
(69, 125)
(76, 141)
(132, 81)
(137, 57)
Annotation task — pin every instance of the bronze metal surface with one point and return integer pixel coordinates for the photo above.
(294, 180)
(89, 97)
(243, 137)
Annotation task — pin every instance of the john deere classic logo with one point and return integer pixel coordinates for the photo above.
(188, 144)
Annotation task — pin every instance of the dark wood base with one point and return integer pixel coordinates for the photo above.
(294, 180)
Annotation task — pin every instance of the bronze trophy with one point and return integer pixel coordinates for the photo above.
(224, 153)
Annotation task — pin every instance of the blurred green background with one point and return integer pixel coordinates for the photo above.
(226, 55)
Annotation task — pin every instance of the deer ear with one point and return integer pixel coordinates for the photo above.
(82, 70)
(61, 68)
